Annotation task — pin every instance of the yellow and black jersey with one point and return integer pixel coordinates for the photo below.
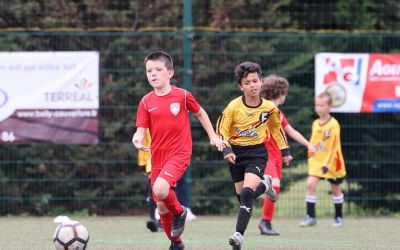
(326, 140)
(242, 125)
(144, 157)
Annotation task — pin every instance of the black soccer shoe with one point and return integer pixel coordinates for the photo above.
(178, 223)
(177, 246)
(266, 228)
(154, 226)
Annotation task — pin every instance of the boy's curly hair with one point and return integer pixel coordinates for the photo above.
(274, 86)
(245, 68)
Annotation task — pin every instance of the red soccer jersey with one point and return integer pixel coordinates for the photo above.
(273, 151)
(167, 118)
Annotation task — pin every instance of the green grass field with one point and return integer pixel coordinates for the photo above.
(212, 232)
(208, 232)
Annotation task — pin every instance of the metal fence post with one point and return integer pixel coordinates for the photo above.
(187, 70)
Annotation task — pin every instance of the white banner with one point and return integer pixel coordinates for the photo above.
(45, 92)
(359, 82)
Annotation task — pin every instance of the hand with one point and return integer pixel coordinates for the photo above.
(143, 170)
(231, 158)
(311, 150)
(324, 169)
(220, 144)
(139, 145)
(287, 160)
(143, 148)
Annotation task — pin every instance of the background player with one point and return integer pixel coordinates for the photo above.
(144, 160)
(275, 89)
(327, 163)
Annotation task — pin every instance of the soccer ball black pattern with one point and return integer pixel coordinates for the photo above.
(71, 235)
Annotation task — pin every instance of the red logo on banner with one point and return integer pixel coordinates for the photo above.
(344, 70)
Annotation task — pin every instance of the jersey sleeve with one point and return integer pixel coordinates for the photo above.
(277, 132)
(224, 123)
(284, 120)
(142, 115)
(223, 126)
(191, 103)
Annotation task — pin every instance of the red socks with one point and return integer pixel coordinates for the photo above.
(166, 223)
(172, 203)
(269, 207)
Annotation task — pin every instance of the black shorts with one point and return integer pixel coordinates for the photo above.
(335, 181)
(249, 159)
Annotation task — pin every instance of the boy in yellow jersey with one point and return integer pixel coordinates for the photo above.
(327, 163)
(244, 125)
(144, 160)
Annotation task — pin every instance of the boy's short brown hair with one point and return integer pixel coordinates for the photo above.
(274, 86)
(327, 95)
(245, 68)
(161, 56)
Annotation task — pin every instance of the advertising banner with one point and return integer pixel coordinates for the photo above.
(49, 97)
(359, 82)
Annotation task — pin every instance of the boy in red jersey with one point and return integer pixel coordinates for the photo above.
(275, 89)
(244, 124)
(164, 111)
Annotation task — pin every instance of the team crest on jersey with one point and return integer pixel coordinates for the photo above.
(264, 116)
(175, 108)
(327, 134)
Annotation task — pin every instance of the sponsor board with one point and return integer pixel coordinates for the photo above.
(49, 97)
(359, 82)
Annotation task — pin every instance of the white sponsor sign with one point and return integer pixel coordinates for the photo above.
(342, 75)
(359, 82)
(47, 85)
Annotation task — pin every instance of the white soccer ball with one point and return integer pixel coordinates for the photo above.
(71, 235)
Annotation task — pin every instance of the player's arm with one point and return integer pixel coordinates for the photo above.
(138, 137)
(297, 136)
(277, 132)
(206, 123)
(223, 125)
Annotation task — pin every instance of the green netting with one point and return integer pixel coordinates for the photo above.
(104, 178)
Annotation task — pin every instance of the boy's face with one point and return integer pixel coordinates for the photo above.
(157, 74)
(251, 85)
(321, 106)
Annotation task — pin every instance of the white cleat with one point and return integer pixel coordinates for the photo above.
(338, 222)
(236, 241)
(190, 216)
(269, 190)
(308, 222)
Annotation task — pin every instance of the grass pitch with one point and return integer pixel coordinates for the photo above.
(208, 232)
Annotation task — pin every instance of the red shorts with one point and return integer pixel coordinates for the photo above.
(274, 168)
(173, 169)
